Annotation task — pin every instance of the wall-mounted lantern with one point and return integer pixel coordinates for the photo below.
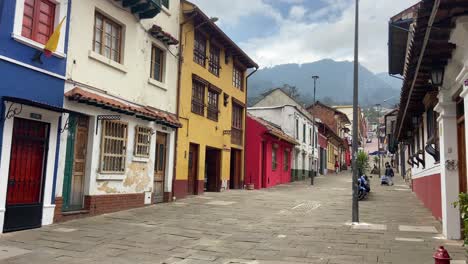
(437, 76)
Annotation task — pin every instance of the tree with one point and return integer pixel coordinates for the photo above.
(292, 91)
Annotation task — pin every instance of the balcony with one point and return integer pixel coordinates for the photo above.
(236, 136)
(144, 9)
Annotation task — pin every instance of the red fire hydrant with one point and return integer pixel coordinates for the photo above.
(441, 256)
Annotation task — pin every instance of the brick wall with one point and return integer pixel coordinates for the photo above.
(100, 204)
(326, 115)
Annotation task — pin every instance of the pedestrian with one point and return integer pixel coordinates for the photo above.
(389, 173)
(337, 167)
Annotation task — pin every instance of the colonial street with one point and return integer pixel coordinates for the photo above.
(291, 223)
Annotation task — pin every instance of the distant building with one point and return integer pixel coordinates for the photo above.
(268, 153)
(280, 109)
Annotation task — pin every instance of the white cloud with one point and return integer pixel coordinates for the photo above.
(310, 35)
(297, 12)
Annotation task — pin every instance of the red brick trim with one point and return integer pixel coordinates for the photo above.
(100, 204)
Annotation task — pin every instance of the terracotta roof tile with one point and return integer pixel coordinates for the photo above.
(274, 130)
(83, 96)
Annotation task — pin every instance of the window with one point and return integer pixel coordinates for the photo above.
(107, 37)
(274, 161)
(237, 124)
(38, 20)
(311, 139)
(432, 134)
(113, 146)
(199, 51)
(237, 78)
(165, 3)
(286, 160)
(142, 141)
(297, 128)
(157, 63)
(213, 65)
(304, 133)
(212, 110)
(198, 98)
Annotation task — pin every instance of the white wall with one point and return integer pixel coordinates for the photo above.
(129, 79)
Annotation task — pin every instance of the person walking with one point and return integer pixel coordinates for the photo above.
(389, 173)
(337, 167)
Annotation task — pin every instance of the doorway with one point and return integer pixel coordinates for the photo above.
(160, 167)
(263, 165)
(212, 170)
(192, 179)
(235, 181)
(75, 163)
(26, 178)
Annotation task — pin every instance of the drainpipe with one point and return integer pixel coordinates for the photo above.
(245, 118)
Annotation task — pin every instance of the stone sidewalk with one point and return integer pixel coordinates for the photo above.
(292, 223)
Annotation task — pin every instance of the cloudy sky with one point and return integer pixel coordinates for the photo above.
(298, 31)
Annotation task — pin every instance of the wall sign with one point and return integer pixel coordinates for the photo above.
(35, 116)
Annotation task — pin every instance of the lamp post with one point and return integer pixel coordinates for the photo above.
(378, 137)
(355, 209)
(315, 77)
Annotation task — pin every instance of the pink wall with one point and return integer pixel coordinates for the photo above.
(256, 134)
(428, 190)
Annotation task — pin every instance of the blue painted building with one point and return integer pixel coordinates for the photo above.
(31, 100)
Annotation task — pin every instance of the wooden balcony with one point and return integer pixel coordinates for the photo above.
(144, 9)
(236, 136)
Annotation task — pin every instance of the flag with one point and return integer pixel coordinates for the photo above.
(52, 43)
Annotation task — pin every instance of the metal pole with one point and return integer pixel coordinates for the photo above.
(355, 213)
(315, 77)
(378, 140)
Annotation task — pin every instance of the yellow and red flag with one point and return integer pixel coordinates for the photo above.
(52, 43)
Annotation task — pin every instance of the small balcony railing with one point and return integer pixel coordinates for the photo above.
(236, 136)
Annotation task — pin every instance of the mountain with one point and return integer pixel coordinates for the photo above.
(392, 81)
(334, 86)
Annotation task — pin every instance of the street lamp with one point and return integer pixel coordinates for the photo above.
(379, 109)
(315, 77)
(437, 76)
(355, 209)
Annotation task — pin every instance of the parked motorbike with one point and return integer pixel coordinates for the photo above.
(364, 187)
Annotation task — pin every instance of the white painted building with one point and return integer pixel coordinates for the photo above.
(430, 126)
(118, 150)
(278, 108)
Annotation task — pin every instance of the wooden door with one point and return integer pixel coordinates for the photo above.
(192, 169)
(75, 163)
(212, 170)
(79, 163)
(26, 175)
(462, 155)
(235, 170)
(160, 167)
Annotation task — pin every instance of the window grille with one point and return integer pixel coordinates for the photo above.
(113, 146)
(142, 141)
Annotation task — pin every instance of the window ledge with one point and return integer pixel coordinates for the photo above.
(98, 57)
(36, 45)
(140, 159)
(110, 177)
(158, 84)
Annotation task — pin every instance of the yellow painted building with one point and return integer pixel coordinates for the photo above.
(211, 107)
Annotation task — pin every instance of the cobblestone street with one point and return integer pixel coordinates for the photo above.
(293, 223)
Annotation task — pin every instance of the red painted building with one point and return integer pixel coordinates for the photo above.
(268, 152)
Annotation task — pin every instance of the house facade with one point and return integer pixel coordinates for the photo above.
(338, 149)
(268, 153)
(211, 107)
(296, 124)
(31, 120)
(118, 144)
(429, 132)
